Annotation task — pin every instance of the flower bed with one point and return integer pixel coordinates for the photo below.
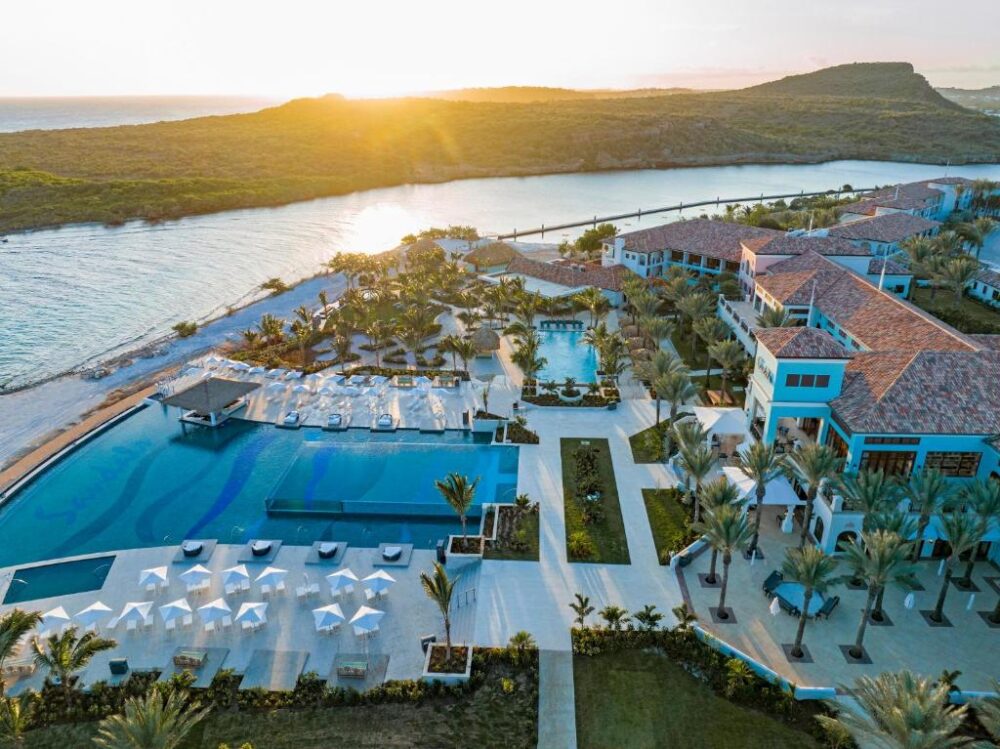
(516, 535)
(669, 521)
(595, 531)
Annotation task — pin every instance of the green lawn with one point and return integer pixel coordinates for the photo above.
(608, 535)
(647, 445)
(645, 701)
(682, 342)
(668, 519)
(975, 317)
(529, 525)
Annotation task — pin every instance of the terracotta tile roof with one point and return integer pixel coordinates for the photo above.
(495, 253)
(989, 341)
(990, 277)
(788, 244)
(715, 239)
(950, 181)
(889, 227)
(920, 189)
(868, 206)
(800, 343)
(609, 278)
(891, 267)
(927, 392)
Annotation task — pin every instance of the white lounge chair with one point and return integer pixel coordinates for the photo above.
(291, 419)
(385, 421)
(334, 421)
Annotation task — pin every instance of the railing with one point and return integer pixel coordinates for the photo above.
(465, 598)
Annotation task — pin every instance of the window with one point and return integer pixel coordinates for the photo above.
(836, 443)
(677, 256)
(808, 380)
(954, 464)
(894, 463)
(792, 380)
(694, 259)
(822, 381)
(892, 440)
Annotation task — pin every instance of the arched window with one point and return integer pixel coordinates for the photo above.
(818, 529)
(845, 538)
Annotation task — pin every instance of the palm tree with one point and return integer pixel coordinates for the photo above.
(697, 462)
(662, 362)
(963, 533)
(928, 492)
(649, 618)
(272, 329)
(958, 273)
(676, 389)
(729, 354)
(440, 590)
(870, 492)
(814, 570)
(302, 332)
(984, 499)
(811, 465)
(63, 655)
(14, 625)
(614, 617)
(657, 330)
(446, 345)
(685, 617)
(900, 711)
(988, 712)
(775, 317)
(716, 494)
(710, 330)
(16, 715)
(694, 307)
(153, 721)
(660, 385)
(459, 493)
(582, 608)
(880, 557)
(726, 530)
(466, 351)
(378, 333)
(762, 464)
(251, 337)
(527, 307)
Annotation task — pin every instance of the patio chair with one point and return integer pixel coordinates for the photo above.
(828, 606)
(773, 581)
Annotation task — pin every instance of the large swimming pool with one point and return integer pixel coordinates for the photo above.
(147, 482)
(567, 355)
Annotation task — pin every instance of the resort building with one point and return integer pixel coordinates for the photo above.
(986, 287)
(883, 233)
(932, 199)
(557, 280)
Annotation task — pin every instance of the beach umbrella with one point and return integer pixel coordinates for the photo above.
(214, 610)
(379, 581)
(293, 374)
(195, 575)
(276, 373)
(341, 578)
(255, 613)
(314, 377)
(238, 366)
(92, 614)
(137, 611)
(271, 576)
(366, 618)
(235, 575)
(56, 617)
(326, 390)
(153, 576)
(327, 616)
(257, 370)
(775, 606)
(213, 361)
(175, 610)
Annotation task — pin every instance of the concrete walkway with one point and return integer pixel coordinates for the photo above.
(556, 706)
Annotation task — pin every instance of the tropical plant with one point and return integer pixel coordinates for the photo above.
(694, 307)
(65, 654)
(988, 712)
(594, 301)
(983, 498)
(14, 625)
(272, 329)
(762, 464)
(726, 530)
(716, 494)
(676, 389)
(459, 493)
(878, 558)
(696, 461)
(582, 608)
(440, 589)
(649, 618)
(869, 492)
(811, 465)
(958, 273)
(466, 351)
(686, 618)
(730, 356)
(378, 332)
(614, 617)
(710, 330)
(520, 643)
(814, 570)
(775, 317)
(900, 711)
(962, 532)
(928, 491)
(16, 716)
(153, 721)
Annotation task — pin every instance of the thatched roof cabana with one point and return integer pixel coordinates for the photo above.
(485, 340)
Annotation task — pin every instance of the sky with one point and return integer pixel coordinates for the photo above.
(287, 48)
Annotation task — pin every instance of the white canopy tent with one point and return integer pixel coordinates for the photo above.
(722, 421)
(777, 492)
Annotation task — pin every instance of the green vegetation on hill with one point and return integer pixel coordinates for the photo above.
(309, 148)
(525, 94)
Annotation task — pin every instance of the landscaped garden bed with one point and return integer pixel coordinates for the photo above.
(466, 545)
(595, 531)
(516, 534)
(669, 520)
(648, 445)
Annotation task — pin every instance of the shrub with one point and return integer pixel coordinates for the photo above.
(580, 545)
(275, 286)
(185, 329)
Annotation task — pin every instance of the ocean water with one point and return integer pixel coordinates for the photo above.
(55, 113)
(73, 295)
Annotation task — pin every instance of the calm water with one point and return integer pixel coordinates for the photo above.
(54, 113)
(77, 293)
(566, 355)
(145, 482)
(59, 579)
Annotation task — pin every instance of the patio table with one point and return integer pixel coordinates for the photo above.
(794, 593)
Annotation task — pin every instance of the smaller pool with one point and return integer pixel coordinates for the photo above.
(566, 355)
(64, 578)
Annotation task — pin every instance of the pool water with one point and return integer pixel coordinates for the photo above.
(146, 482)
(61, 579)
(567, 355)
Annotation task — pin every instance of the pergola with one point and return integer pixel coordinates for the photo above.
(206, 400)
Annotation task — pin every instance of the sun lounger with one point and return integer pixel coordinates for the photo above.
(291, 419)
(772, 582)
(392, 553)
(334, 421)
(828, 606)
(385, 421)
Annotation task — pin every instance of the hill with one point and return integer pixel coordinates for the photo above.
(986, 99)
(310, 148)
(529, 94)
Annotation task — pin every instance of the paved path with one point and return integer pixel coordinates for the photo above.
(556, 706)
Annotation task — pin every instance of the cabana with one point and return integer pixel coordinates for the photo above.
(211, 401)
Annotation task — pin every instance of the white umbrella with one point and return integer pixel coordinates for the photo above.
(55, 617)
(214, 610)
(257, 370)
(293, 374)
(175, 610)
(153, 576)
(271, 576)
(379, 581)
(137, 611)
(255, 613)
(195, 575)
(327, 616)
(314, 377)
(366, 618)
(235, 575)
(276, 373)
(92, 614)
(238, 366)
(775, 606)
(341, 578)
(327, 390)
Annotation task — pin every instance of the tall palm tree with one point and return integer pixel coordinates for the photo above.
(15, 718)
(439, 588)
(963, 532)
(900, 711)
(662, 362)
(153, 721)
(983, 498)
(730, 356)
(466, 351)
(657, 330)
(811, 465)
(762, 464)
(694, 307)
(697, 462)
(869, 492)
(378, 333)
(775, 317)
(814, 571)
(928, 491)
(710, 330)
(878, 558)
(446, 345)
(677, 389)
(460, 493)
(958, 273)
(14, 625)
(713, 495)
(592, 300)
(63, 655)
(988, 712)
(726, 530)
